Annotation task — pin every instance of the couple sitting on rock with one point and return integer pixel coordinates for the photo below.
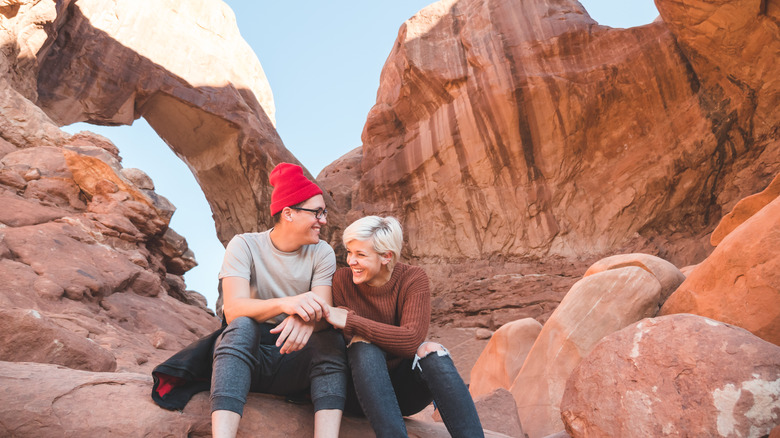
(296, 324)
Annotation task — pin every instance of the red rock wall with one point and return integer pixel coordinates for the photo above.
(526, 129)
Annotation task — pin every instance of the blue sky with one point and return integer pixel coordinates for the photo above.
(323, 61)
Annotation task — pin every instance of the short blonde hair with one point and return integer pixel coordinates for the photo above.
(384, 233)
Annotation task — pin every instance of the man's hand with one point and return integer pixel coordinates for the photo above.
(309, 306)
(294, 334)
(337, 317)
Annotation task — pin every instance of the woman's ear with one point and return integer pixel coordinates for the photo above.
(387, 257)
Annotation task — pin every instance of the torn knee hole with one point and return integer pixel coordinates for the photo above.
(355, 341)
(429, 347)
(425, 350)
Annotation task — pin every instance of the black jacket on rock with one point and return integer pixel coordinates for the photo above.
(185, 374)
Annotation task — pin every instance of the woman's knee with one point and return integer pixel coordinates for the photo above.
(362, 351)
(427, 348)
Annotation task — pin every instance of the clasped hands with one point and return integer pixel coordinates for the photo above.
(304, 311)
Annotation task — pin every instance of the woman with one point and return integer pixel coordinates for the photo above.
(383, 309)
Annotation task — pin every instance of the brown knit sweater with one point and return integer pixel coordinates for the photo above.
(394, 316)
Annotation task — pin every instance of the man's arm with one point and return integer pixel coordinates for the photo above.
(309, 306)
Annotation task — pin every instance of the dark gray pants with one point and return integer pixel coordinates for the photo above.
(247, 359)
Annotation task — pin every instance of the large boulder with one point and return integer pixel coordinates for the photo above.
(595, 306)
(739, 283)
(677, 375)
(503, 357)
(666, 273)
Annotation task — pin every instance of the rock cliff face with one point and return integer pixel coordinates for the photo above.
(515, 140)
(526, 129)
(509, 133)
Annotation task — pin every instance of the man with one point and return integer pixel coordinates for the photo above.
(276, 290)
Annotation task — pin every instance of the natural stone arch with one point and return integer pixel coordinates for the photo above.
(212, 105)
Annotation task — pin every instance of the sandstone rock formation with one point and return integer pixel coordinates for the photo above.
(90, 273)
(90, 277)
(596, 306)
(648, 380)
(739, 283)
(744, 210)
(503, 357)
(340, 178)
(50, 401)
(526, 129)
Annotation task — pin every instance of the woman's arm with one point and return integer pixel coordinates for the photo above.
(415, 315)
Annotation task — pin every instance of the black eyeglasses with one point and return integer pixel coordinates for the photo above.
(318, 213)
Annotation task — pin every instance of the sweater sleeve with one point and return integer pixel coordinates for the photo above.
(338, 292)
(414, 307)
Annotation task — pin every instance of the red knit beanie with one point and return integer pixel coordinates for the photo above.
(290, 187)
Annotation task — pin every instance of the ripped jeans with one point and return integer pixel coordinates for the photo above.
(386, 396)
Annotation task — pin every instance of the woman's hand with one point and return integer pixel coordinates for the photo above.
(337, 317)
(294, 334)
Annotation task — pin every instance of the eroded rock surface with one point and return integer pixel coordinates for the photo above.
(84, 262)
(744, 210)
(585, 136)
(52, 401)
(666, 273)
(739, 283)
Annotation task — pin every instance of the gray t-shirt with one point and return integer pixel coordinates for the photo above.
(275, 274)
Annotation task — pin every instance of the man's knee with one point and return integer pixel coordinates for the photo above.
(327, 345)
(328, 340)
(243, 333)
(243, 322)
(427, 348)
